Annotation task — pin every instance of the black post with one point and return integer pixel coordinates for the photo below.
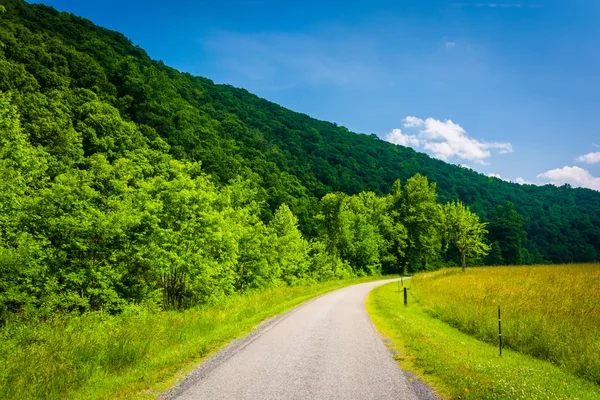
(500, 331)
(405, 296)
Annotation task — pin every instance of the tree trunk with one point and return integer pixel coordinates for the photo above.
(464, 260)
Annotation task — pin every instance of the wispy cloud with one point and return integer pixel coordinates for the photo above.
(518, 180)
(413, 122)
(450, 45)
(284, 59)
(498, 5)
(574, 176)
(446, 140)
(590, 158)
(397, 137)
(522, 181)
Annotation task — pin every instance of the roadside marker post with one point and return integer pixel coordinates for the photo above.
(499, 331)
(405, 296)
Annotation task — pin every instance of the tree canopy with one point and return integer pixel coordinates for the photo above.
(462, 228)
(125, 181)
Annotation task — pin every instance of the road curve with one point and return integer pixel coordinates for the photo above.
(325, 349)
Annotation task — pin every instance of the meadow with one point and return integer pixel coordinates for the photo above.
(551, 313)
(459, 366)
(137, 354)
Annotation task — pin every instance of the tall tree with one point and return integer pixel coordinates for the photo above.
(506, 227)
(462, 228)
(334, 224)
(291, 250)
(393, 230)
(494, 257)
(420, 214)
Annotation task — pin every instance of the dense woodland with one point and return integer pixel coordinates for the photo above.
(125, 181)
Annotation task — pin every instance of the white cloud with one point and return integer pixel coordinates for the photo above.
(504, 148)
(495, 5)
(397, 137)
(522, 181)
(446, 140)
(519, 180)
(413, 122)
(450, 45)
(575, 176)
(590, 158)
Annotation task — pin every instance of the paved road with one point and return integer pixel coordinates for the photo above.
(324, 349)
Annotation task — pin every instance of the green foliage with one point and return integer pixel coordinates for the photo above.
(421, 216)
(495, 255)
(462, 228)
(506, 228)
(123, 181)
(68, 77)
(141, 351)
(290, 248)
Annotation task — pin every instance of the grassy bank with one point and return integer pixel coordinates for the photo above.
(458, 366)
(136, 355)
(549, 312)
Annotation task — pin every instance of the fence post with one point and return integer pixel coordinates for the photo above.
(500, 331)
(405, 296)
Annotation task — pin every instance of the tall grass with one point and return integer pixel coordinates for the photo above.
(133, 355)
(458, 366)
(549, 312)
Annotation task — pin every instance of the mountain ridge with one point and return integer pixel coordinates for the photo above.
(295, 159)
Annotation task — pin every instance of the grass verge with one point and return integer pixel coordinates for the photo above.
(459, 366)
(98, 356)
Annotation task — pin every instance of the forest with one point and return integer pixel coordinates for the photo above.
(124, 181)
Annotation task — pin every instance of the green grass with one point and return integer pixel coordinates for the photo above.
(549, 312)
(98, 356)
(457, 365)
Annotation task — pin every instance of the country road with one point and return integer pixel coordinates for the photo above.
(325, 349)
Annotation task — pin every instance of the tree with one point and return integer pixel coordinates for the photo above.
(291, 250)
(393, 230)
(363, 247)
(420, 214)
(334, 225)
(494, 257)
(507, 228)
(462, 228)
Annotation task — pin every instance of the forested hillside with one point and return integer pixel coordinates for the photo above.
(123, 179)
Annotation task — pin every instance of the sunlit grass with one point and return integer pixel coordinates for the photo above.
(457, 365)
(98, 356)
(549, 312)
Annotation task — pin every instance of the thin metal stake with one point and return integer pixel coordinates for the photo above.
(500, 331)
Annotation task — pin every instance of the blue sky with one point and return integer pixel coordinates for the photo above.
(507, 87)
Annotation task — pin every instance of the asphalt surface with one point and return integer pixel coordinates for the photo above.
(327, 348)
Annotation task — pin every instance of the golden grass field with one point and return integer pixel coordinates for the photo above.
(548, 312)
